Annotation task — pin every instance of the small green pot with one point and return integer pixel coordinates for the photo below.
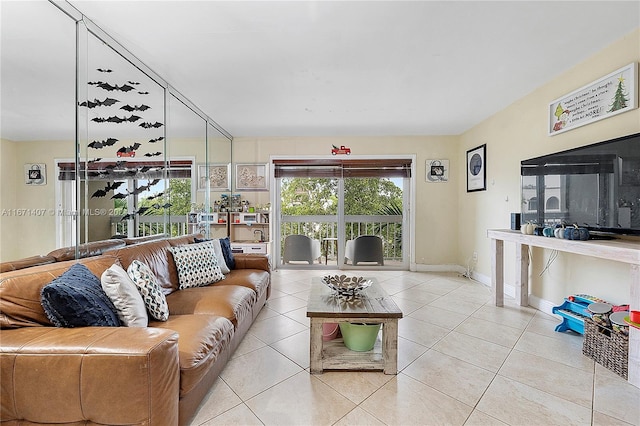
(359, 337)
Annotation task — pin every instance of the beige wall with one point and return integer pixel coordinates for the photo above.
(436, 226)
(32, 232)
(520, 132)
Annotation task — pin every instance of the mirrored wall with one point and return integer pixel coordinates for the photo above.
(116, 152)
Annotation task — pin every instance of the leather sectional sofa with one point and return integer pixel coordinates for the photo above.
(155, 375)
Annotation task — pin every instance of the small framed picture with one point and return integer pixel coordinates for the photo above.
(35, 174)
(252, 177)
(215, 177)
(477, 169)
(437, 170)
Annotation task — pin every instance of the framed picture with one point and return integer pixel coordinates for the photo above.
(252, 177)
(477, 169)
(217, 176)
(437, 170)
(35, 174)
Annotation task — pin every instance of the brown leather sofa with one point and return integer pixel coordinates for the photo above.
(156, 375)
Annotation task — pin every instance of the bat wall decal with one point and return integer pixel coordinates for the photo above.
(151, 125)
(130, 108)
(161, 138)
(110, 88)
(116, 119)
(103, 192)
(143, 93)
(98, 103)
(153, 154)
(103, 70)
(103, 143)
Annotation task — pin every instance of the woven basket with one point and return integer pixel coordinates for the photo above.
(606, 347)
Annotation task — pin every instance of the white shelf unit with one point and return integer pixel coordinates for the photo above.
(249, 232)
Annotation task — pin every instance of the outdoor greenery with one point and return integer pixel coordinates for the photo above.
(363, 196)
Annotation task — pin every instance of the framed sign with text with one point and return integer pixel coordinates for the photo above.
(610, 95)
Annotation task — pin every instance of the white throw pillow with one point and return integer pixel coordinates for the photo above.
(152, 295)
(125, 296)
(217, 248)
(197, 265)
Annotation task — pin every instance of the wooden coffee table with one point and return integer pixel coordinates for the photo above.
(373, 306)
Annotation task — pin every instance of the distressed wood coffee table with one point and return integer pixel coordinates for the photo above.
(372, 306)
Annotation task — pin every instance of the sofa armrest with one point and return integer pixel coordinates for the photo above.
(102, 375)
(252, 261)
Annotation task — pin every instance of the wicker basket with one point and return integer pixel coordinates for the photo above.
(606, 347)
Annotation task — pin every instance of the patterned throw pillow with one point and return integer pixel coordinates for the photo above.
(76, 299)
(149, 289)
(125, 296)
(197, 265)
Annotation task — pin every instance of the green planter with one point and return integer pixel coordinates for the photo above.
(359, 337)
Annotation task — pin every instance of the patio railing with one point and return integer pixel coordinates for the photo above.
(322, 227)
(150, 225)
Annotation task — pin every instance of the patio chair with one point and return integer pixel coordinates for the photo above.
(368, 249)
(300, 248)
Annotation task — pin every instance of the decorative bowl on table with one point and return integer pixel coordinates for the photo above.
(344, 285)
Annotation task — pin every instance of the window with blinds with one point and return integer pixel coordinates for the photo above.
(345, 168)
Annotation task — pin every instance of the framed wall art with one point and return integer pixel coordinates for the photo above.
(437, 171)
(252, 177)
(477, 169)
(35, 174)
(218, 176)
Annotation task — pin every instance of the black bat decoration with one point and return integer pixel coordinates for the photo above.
(144, 169)
(151, 125)
(103, 69)
(152, 154)
(153, 197)
(95, 160)
(130, 108)
(161, 138)
(133, 82)
(119, 196)
(98, 103)
(143, 93)
(116, 119)
(163, 206)
(102, 144)
(140, 211)
(153, 182)
(130, 148)
(110, 88)
(107, 189)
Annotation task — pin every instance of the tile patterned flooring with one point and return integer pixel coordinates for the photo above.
(462, 361)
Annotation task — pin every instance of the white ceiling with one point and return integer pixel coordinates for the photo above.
(325, 68)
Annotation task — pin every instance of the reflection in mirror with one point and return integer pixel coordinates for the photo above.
(37, 123)
(186, 143)
(218, 181)
(122, 165)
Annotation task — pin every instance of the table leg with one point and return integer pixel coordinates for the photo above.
(315, 346)
(390, 346)
(522, 274)
(497, 271)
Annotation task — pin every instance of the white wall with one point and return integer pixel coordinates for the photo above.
(519, 132)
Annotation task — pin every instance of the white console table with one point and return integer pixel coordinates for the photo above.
(616, 250)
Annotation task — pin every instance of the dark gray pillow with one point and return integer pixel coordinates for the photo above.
(76, 299)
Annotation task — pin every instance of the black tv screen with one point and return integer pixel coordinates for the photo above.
(595, 186)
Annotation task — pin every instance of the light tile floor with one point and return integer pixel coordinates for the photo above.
(462, 361)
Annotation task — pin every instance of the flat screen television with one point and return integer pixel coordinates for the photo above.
(595, 186)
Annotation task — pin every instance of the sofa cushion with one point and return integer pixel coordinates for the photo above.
(125, 296)
(232, 302)
(197, 265)
(254, 279)
(154, 254)
(76, 299)
(202, 339)
(152, 295)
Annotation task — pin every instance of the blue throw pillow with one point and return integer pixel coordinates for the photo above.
(76, 299)
(225, 243)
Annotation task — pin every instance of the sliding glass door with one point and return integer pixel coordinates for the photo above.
(337, 213)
